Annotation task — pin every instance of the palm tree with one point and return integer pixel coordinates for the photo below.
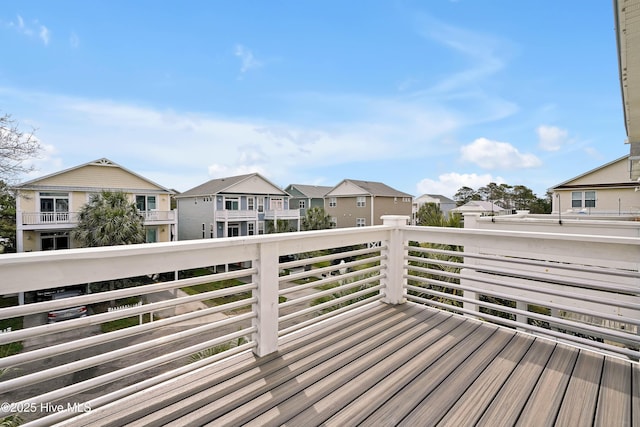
(109, 219)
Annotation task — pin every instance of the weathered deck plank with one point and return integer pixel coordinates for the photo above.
(468, 408)
(579, 404)
(395, 365)
(544, 402)
(613, 408)
(505, 409)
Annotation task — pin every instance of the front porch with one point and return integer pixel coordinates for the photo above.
(383, 325)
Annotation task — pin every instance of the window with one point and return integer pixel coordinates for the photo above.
(276, 204)
(146, 203)
(406, 199)
(333, 223)
(361, 201)
(251, 203)
(576, 199)
(203, 231)
(261, 204)
(211, 228)
(54, 241)
(580, 199)
(231, 204)
(260, 227)
(54, 207)
(333, 202)
(302, 204)
(250, 229)
(361, 222)
(589, 199)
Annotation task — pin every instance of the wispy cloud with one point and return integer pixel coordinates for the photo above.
(210, 145)
(247, 60)
(35, 29)
(490, 154)
(552, 138)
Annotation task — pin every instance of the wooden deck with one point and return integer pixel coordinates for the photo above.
(396, 365)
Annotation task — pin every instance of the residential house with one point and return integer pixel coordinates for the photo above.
(444, 203)
(627, 27)
(234, 206)
(354, 203)
(307, 196)
(482, 207)
(607, 189)
(46, 207)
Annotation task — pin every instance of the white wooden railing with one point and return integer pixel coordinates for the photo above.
(236, 215)
(50, 218)
(252, 290)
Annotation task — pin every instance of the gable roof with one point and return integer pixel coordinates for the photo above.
(443, 199)
(102, 162)
(311, 191)
(567, 183)
(371, 188)
(224, 185)
(478, 206)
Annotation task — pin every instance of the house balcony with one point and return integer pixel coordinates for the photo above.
(56, 220)
(227, 215)
(381, 325)
(282, 214)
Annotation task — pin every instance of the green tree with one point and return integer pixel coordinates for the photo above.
(109, 219)
(316, 219)
(283, 226)
(430, 214)
(7, 218)
(465, 195)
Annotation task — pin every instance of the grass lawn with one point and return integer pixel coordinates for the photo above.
(14, 323)
(214, 286)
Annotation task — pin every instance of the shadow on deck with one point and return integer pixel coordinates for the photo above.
(395, 365)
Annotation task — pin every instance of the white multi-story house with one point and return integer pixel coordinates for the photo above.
(241, 205)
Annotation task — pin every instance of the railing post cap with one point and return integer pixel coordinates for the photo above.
(395, 220)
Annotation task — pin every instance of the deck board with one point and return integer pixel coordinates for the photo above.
(544, 402)
(613, 408)
(468, 408)
(394, 365)
(579, 403)
(505, 409)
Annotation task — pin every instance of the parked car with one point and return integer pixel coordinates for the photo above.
(66, 313)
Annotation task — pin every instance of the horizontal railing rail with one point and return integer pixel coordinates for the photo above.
(215, 297)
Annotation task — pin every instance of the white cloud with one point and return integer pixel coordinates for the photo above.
(448, 184)
(247, 60)
(497, 155)
(28, 30)
(551, 138)
(44, 34)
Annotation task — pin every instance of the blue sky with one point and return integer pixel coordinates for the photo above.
(423, 96)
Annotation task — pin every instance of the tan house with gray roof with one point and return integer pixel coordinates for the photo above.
(355, 203)
(46, 207)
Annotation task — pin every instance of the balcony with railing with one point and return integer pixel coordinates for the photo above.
(380, 325)
(37, 220)
(275, 214)
(236, 215)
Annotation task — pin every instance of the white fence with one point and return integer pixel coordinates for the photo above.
(264, 287)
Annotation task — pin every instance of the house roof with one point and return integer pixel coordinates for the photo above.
(567, 183)
(371, 188)
(311, 191)
(102, 162)
(443, 199)
(225, 185)
(478, 206)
